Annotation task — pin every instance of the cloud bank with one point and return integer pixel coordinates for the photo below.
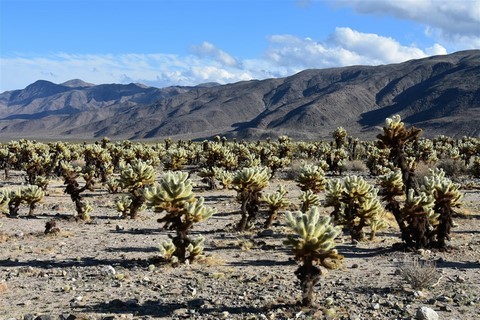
(284, 56)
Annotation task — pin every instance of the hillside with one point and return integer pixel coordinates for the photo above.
(440, 94)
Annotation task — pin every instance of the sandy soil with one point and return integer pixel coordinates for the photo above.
(107, 269)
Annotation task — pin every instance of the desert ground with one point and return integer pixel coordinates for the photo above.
(109, 268)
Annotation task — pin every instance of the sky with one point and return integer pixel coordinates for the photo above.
(188, 42)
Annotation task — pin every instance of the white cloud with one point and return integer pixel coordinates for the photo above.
(208, 50)
(285, 55)
(453, 22)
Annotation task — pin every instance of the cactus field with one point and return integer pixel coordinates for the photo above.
(226, 229)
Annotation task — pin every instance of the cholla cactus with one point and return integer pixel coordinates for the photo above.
(312, 178)
(475, 168)
(224, 177)
(175, 159)
(420, 218)
(392, 187)
(135, 178)
(208, 176)
(447, 196)
(4, 200)
(249, 183)
(359, 206)
(396, 137)
(340, 136)
(123, 205)
(309, 199)
(173, 195)
(333, 195)
(167, 249)
(70, 175)
(275, 201)
(313, 242)
(32, 194)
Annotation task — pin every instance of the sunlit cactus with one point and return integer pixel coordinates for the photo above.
(333, 196)
(167, 250)
(340, 137)
(447, 196)
(275, 202)
(175, 159)
(309, 199)
(312, 178)
(249, 183)
(356, 206)
(174, 197)
(4, 200)
(420, 218)
(123, 205)
(195, 248)
(391, 187)
(396, 137)
(32, 194)
(208, 176)
(224, 177)
(135, 178)
(70, 175)
(313, 243)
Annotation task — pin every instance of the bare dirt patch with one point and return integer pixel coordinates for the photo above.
(108, 268)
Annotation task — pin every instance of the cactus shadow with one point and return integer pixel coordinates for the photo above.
(158, 309)
(84, 262)
(351, 251)
(133, 249)
(263, 263)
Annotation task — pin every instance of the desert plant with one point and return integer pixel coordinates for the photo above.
(4, 200)
(249, 183)
(419, 274)
(135, 178)
(275, 202)
(173, 195)
(312, 178)
(32, 194)
(447, 196)
(309, 199)
(359, 206)
(313, 243)
(420, 220)
(396, 137)
(70, 175)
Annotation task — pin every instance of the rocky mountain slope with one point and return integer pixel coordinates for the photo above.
(440, 94)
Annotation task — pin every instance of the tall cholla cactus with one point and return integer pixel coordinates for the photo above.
(421, 220)
(4, 200)
(309, 199)
(249, 183)
(359, 206)
(312, 243)
(391, 188)
(135, 178)
(312, 178)
(32, 194)
(333, 195)
(173, 195)
(396, 137)
(275, 201)
(447, 196)
(70, 175)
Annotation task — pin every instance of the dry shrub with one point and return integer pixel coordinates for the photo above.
(452, 168)
(421, 171)
(419, 274)
(356, 166)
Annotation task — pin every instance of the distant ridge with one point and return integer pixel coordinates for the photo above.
(439, 94)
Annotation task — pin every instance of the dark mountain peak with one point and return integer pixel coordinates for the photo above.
(76, 83)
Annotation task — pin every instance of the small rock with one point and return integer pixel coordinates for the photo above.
(28, 317)
(354, 266)
(181, 312)
(119, 227)
(444, 299)
(266, 233)
(108, 271)
(376, 306)
(19, 234)
(44, 317)
(425, 313)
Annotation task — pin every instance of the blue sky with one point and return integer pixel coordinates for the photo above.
(162, 43)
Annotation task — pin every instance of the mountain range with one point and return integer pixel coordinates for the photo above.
(440, 94)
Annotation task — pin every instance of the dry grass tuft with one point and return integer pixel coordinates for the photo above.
(419, 274)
